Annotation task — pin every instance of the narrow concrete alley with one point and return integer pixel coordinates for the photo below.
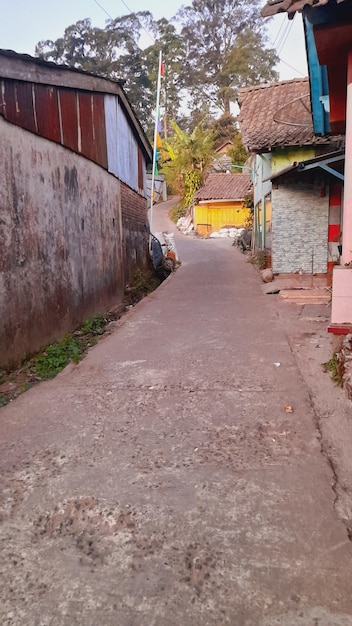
(162, 482)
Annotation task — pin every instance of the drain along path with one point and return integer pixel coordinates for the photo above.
(161, 481)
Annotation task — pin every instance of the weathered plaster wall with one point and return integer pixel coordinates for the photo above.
(300, 226)
(63, 241)
(285, 157)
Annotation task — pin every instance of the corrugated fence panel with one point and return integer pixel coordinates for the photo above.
(111, 134)
(85, 102)
(128, 151)
(141, 169)
(18, 101)
(92, 124)
(101, 156)
(92, 127)
(47, 112)
(69, 119)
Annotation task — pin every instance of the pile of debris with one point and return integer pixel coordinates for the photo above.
(185, 225)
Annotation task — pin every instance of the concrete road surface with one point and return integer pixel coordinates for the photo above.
(162, 482)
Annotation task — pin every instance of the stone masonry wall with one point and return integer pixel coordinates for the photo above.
(64, 241)
(300, 226)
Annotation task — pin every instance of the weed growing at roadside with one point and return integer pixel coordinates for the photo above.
(142, 284)
(260, 259)
(94, 325)
(177, 211)
(335, 367)
(54, 358)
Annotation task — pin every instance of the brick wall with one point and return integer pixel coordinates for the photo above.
(300, 226)
(135, 232)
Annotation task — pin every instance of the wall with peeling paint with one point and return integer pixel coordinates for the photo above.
(71, 234)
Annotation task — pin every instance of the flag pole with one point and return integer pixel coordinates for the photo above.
(155, 140)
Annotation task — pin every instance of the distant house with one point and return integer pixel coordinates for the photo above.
(220, 203)
(73, 207)
(224, 148)
(222, 161)
(297, 201)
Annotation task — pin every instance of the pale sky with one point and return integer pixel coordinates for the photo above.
(25, 22)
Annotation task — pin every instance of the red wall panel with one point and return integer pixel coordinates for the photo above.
(69, 118)
(47, 112)
(100, 148)
(86, 124)
(18, 107)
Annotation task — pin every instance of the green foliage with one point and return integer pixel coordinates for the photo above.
(177, 211)
(115, 52)
(207, 53)
(238, 152)
(224, 129)
(56, 356)
(248, 201)
(94, 325)
(226, 49)
(143, 283)
(260, 260)
(189, 155)
(335, 367)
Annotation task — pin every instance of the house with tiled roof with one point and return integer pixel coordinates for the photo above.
(220, 203)
(296, 206)
(328, 40)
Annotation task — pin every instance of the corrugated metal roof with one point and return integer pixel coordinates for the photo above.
(28, 69)
(60, 67)
(276, 114)
(225, 187)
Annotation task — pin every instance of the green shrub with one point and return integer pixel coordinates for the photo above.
(335, 367)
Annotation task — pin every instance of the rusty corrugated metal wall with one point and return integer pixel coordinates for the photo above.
(91, 124)
(73, 118)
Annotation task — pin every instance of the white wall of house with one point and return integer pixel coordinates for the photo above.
(300, 226)
(262, 170)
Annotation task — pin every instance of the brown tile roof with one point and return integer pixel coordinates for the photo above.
(225, 187)
(272, 7)
(276, 114)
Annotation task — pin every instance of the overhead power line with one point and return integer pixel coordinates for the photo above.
(130, 13)
(102, 8)
(291, 67)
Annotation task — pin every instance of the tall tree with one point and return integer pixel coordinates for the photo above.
(226, 47)
(113, 52)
